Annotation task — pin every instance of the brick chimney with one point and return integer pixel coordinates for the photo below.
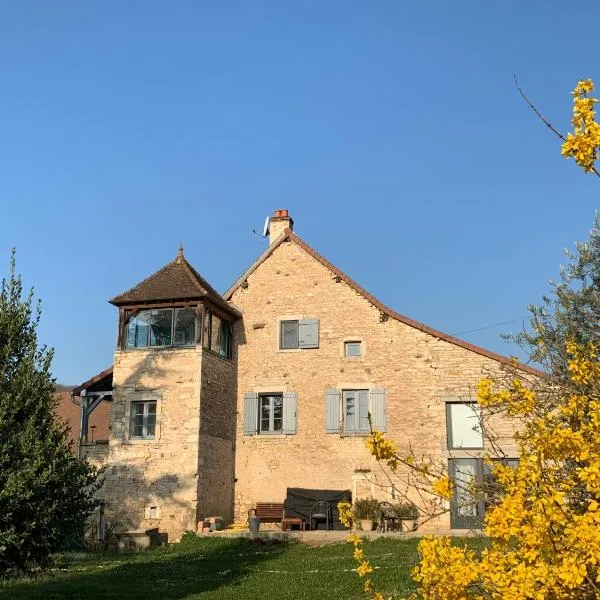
(279, 222)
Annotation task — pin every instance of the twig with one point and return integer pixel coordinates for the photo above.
(537, 112)
(545, 121)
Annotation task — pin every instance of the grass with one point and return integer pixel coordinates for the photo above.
(223, 568)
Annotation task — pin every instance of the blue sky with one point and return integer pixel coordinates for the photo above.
(391, 130)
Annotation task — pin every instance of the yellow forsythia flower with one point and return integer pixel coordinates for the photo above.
(443, 487)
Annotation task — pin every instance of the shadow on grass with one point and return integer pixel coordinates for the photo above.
(172, 573)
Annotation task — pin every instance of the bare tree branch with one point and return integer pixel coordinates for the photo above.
(544, 120)
(537, 112)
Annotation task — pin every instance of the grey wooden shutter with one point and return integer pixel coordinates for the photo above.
(290, 406)
(308, 333)
(378, 409)
(250, 413)
(332, 411)
(363, 410)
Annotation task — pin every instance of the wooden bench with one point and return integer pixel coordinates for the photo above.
(269, 511)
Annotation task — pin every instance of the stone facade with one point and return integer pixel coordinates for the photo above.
(419, 372)
(186, 471)
(153, 483)
(217, 437)
(203, 461)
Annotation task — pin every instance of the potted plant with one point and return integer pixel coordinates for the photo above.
(366, 511)
(408, 513)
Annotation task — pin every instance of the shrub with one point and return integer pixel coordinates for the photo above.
(407, 510)
(365, 509)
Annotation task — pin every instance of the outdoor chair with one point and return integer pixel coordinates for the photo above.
(321, 511)
(388, 517)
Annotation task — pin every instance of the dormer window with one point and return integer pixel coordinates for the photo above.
(162, 327)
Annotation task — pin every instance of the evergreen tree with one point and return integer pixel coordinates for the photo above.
(570, 313)
(46, 493)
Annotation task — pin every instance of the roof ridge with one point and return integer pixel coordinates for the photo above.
(289, 234)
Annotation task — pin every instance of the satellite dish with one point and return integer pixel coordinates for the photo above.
(266, 227)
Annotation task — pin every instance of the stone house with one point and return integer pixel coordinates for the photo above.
(221, 401)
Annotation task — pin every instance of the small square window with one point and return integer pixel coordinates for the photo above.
(463, 424)
(352, 349)
(143, 420)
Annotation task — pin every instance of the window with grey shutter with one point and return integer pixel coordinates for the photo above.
(308, 333)
(356, 411)
(250, 413)
(289, 335)
(332, 411)
(289, 412)
(378, 409)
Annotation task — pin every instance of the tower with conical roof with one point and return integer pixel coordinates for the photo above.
(172, 430)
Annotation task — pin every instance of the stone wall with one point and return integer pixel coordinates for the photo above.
(153, 483)
(96, 453)
(217, 437)
(419, 372)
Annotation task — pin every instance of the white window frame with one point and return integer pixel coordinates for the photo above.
(449, 429)
(123, 427)
(145, 415)
(271, 430)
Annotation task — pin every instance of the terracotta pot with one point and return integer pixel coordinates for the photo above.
(367, 525)
(409, 524)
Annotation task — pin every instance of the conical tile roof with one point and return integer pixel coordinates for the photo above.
(176, 281)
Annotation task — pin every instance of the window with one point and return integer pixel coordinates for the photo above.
(475, 490)
(463, 424)
(302, 333)
(289, 335)
(271, 414)
(491, 487)
(356, 411)
(185, 327)
(466, 505)
(352, 349)
(162, 327)
(143, 420)
(347, 411)
(206, 329)
(225, 340)
(217, 335)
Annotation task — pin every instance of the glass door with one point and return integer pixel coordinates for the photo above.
(466, 507)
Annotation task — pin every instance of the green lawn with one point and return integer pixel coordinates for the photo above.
(224, 568)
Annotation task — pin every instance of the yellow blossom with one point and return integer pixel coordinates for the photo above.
(443, 488)
(364, 569)
(584, 143)
(379, 447)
